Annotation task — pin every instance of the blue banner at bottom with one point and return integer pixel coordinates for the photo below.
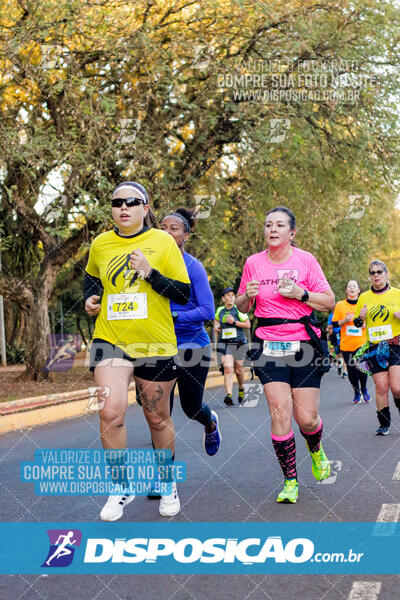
(192, 548)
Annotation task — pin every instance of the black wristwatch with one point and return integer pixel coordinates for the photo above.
(305, 297)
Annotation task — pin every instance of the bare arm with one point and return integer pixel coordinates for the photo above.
(323, 301)
(246, 300)
(243, 324)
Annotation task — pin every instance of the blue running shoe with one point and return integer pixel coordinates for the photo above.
(382, 430)
(212, 441)
(357, 398)
(366, 396)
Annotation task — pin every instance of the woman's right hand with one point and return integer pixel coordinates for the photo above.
(91, 306)
(252, 288)
(363, 312)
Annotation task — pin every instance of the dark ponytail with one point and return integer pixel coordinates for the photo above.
(150, 219)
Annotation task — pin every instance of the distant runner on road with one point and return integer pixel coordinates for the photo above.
(232, 344)
(351, 339)
(379, 310)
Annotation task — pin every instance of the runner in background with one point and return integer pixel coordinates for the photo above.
(334, 341)
(232, 343)
(140, 270)
(194, 345)
(351, 339)
(285, 284)
(379, 309)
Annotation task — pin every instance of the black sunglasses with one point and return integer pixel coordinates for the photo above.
(375, 272)
(129, 202)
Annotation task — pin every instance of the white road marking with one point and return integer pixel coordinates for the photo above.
(389, 513)
(365, 590)
(396, 476)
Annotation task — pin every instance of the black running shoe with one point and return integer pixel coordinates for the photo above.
(228, 400)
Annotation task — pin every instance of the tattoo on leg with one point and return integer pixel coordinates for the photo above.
(150, 403)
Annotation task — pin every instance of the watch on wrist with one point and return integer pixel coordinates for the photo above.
(305, 297)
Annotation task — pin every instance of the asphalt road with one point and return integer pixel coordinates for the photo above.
(239, 484)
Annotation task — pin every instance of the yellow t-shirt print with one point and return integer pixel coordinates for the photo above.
(109, 261)
(380, 321)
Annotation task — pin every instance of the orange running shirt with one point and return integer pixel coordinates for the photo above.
(351, 337)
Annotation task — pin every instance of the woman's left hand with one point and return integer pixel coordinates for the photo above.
(289, 289)
(139, 262)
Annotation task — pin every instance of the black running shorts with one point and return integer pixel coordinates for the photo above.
(300, 370)
(393, 360)
(150, 368)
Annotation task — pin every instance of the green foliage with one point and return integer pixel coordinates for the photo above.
(15, 354)
(78, 80)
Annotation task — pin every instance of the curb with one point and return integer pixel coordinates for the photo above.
(40, 410)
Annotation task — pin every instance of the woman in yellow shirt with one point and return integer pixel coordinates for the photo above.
(139, 269)
(379, 309)
(351, 339)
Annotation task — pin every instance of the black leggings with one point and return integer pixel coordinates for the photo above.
(191, 376)
(191, 380)
(357, 378)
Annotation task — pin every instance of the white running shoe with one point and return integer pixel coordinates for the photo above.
(114, 507)
(169, 503)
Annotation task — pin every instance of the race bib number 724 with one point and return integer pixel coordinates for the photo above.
(126, 306)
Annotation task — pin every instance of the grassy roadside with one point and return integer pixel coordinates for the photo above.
(76, 378)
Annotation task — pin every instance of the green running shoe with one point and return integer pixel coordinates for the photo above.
(290, 492)
(321, 468)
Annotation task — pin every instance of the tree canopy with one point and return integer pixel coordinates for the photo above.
(238, 106)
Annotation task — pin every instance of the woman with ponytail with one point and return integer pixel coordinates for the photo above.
(133, 273)
(194, 346)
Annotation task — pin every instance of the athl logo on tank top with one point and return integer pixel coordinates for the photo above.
(291, 274)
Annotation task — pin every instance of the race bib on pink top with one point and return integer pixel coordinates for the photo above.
(304, 269)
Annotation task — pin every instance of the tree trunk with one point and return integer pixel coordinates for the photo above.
(18, 335)
(89, 324)
(38, 327)
(78, 324)
(10, 318)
